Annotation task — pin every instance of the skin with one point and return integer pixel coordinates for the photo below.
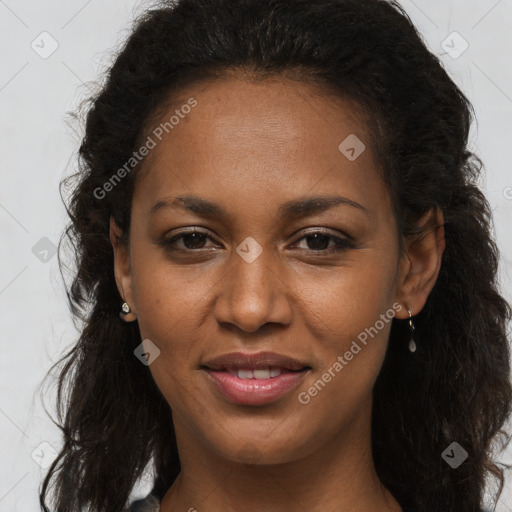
(251, 146)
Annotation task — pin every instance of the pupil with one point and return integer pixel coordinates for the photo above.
(195, 237)
(318, 237)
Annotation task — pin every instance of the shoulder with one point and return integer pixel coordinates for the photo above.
(148, 504)
(151, 504)
(413, 509)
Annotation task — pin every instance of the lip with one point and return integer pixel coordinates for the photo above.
(254, 391)
(236, 360)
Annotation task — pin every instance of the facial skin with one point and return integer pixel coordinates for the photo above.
(250, 147)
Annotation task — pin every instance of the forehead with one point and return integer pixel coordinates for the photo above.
(269, 138)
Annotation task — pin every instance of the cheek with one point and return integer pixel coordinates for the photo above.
(351, 343)
(167, 302)
(343, 303)
(168, 297)
(350, 313)
(174, 311)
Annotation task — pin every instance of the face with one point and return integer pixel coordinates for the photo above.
(264, 271)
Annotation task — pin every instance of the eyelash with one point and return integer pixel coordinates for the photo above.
(342, 243)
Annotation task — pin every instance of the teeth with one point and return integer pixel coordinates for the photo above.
(274, 372)
(260, 373)
(245, 374)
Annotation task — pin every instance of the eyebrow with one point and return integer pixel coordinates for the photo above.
(294, 208)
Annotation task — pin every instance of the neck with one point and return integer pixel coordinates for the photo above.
(338, 476)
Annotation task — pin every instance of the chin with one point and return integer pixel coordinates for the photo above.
(266, 451)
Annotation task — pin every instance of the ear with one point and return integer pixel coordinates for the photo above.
(122, 268)
(420, 266)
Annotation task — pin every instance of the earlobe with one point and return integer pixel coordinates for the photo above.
(122, 271)
(424, 256)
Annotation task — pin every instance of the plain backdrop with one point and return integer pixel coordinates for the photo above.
(49, 53)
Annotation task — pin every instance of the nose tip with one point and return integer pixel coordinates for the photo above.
(246, 320)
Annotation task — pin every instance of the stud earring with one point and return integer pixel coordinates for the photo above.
(126, 313)
(412, 343)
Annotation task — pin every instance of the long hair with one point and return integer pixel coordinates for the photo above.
(455, 388)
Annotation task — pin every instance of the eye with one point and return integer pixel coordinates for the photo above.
(191, 240)
(318, 241)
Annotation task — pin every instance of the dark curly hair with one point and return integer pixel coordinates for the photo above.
(456, 387)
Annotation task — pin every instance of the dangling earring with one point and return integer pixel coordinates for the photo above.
(412, 343)
(126, 313)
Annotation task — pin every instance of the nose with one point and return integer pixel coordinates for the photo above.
(253, 294)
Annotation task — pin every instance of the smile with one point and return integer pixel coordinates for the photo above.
(254, 387)
(254, 378)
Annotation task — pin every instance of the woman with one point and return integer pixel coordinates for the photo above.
(285, 271)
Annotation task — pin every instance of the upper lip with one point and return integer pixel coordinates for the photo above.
(238, 360)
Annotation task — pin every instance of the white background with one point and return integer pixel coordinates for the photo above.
(37, 149)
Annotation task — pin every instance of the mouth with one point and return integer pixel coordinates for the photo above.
(254, 379)
(270, 372)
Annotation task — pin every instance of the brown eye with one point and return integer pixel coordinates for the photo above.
(193, 240)
(190, 241)
(319, 241)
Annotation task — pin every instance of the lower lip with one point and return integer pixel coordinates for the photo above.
(255, 391)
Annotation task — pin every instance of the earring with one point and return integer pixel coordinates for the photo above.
(125, 312)
(412, 343)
